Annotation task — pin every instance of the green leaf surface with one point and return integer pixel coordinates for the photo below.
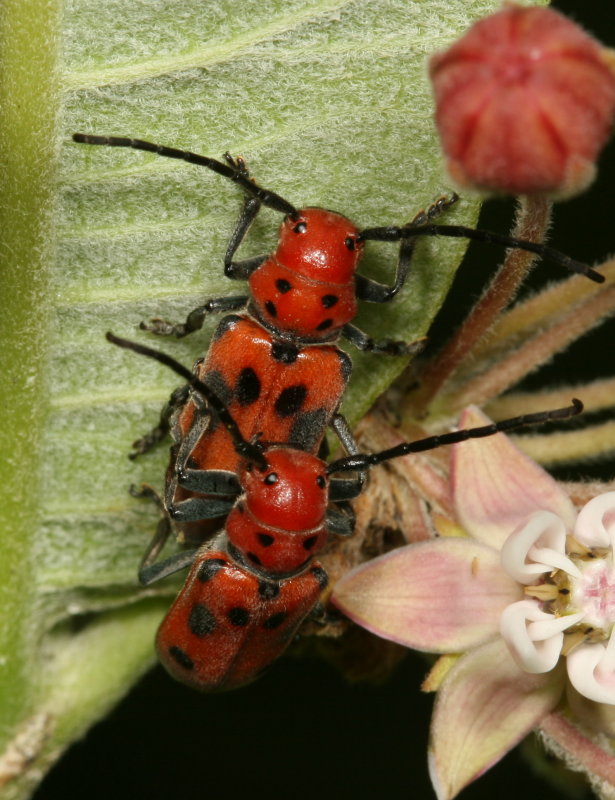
(330, 105)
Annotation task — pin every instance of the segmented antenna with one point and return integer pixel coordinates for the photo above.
(267, 198)
(394, 234)
(361, 461)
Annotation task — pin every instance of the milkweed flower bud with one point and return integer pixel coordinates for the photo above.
(524, 103)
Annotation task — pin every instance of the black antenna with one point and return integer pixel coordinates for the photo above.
(394, 234)
(270, 199)
(361, 461)
(252, 452)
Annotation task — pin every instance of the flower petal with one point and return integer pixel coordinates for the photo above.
(592, 672)
(441, 596)
(485, 707)
(496, 486)
(595, 526)
(535, 547)
(534, 637)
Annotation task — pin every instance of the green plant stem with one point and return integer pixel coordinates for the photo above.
(29, 36)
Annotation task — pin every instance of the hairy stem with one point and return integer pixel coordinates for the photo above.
(532, 222)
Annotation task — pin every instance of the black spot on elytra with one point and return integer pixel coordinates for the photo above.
(254, 559)
(226, 324)
(238, 616)
(248, 387)
(271, 309)
(309, 543)
(274, 621)
(325, 324)
(329, 300)
(268, 590)
(290, 400)
(283, 286)
(182, 658)
(320, 575)
(284, 353)
(266, 539)
(308, 429)
(210, 569)
(321, 481)
(201, 620)
(215, 381)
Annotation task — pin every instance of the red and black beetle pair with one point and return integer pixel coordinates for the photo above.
(252, 584)
(279, 372)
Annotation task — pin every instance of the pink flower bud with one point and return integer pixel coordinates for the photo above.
(524, 103)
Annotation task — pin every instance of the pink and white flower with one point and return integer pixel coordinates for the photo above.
(523, 597)
(570, 607)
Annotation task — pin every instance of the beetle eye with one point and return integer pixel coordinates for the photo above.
(271, 479)
(300, 227)
(349, 242)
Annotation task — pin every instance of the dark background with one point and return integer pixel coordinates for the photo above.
(302, 730)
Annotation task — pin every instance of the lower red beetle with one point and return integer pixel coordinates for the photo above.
(252, 585)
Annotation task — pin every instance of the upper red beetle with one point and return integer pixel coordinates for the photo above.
(306, 290)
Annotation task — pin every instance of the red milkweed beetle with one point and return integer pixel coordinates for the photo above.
(306, 291)
(250, 587)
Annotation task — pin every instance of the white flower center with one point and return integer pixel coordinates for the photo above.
(594, 593)
(570, 606)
